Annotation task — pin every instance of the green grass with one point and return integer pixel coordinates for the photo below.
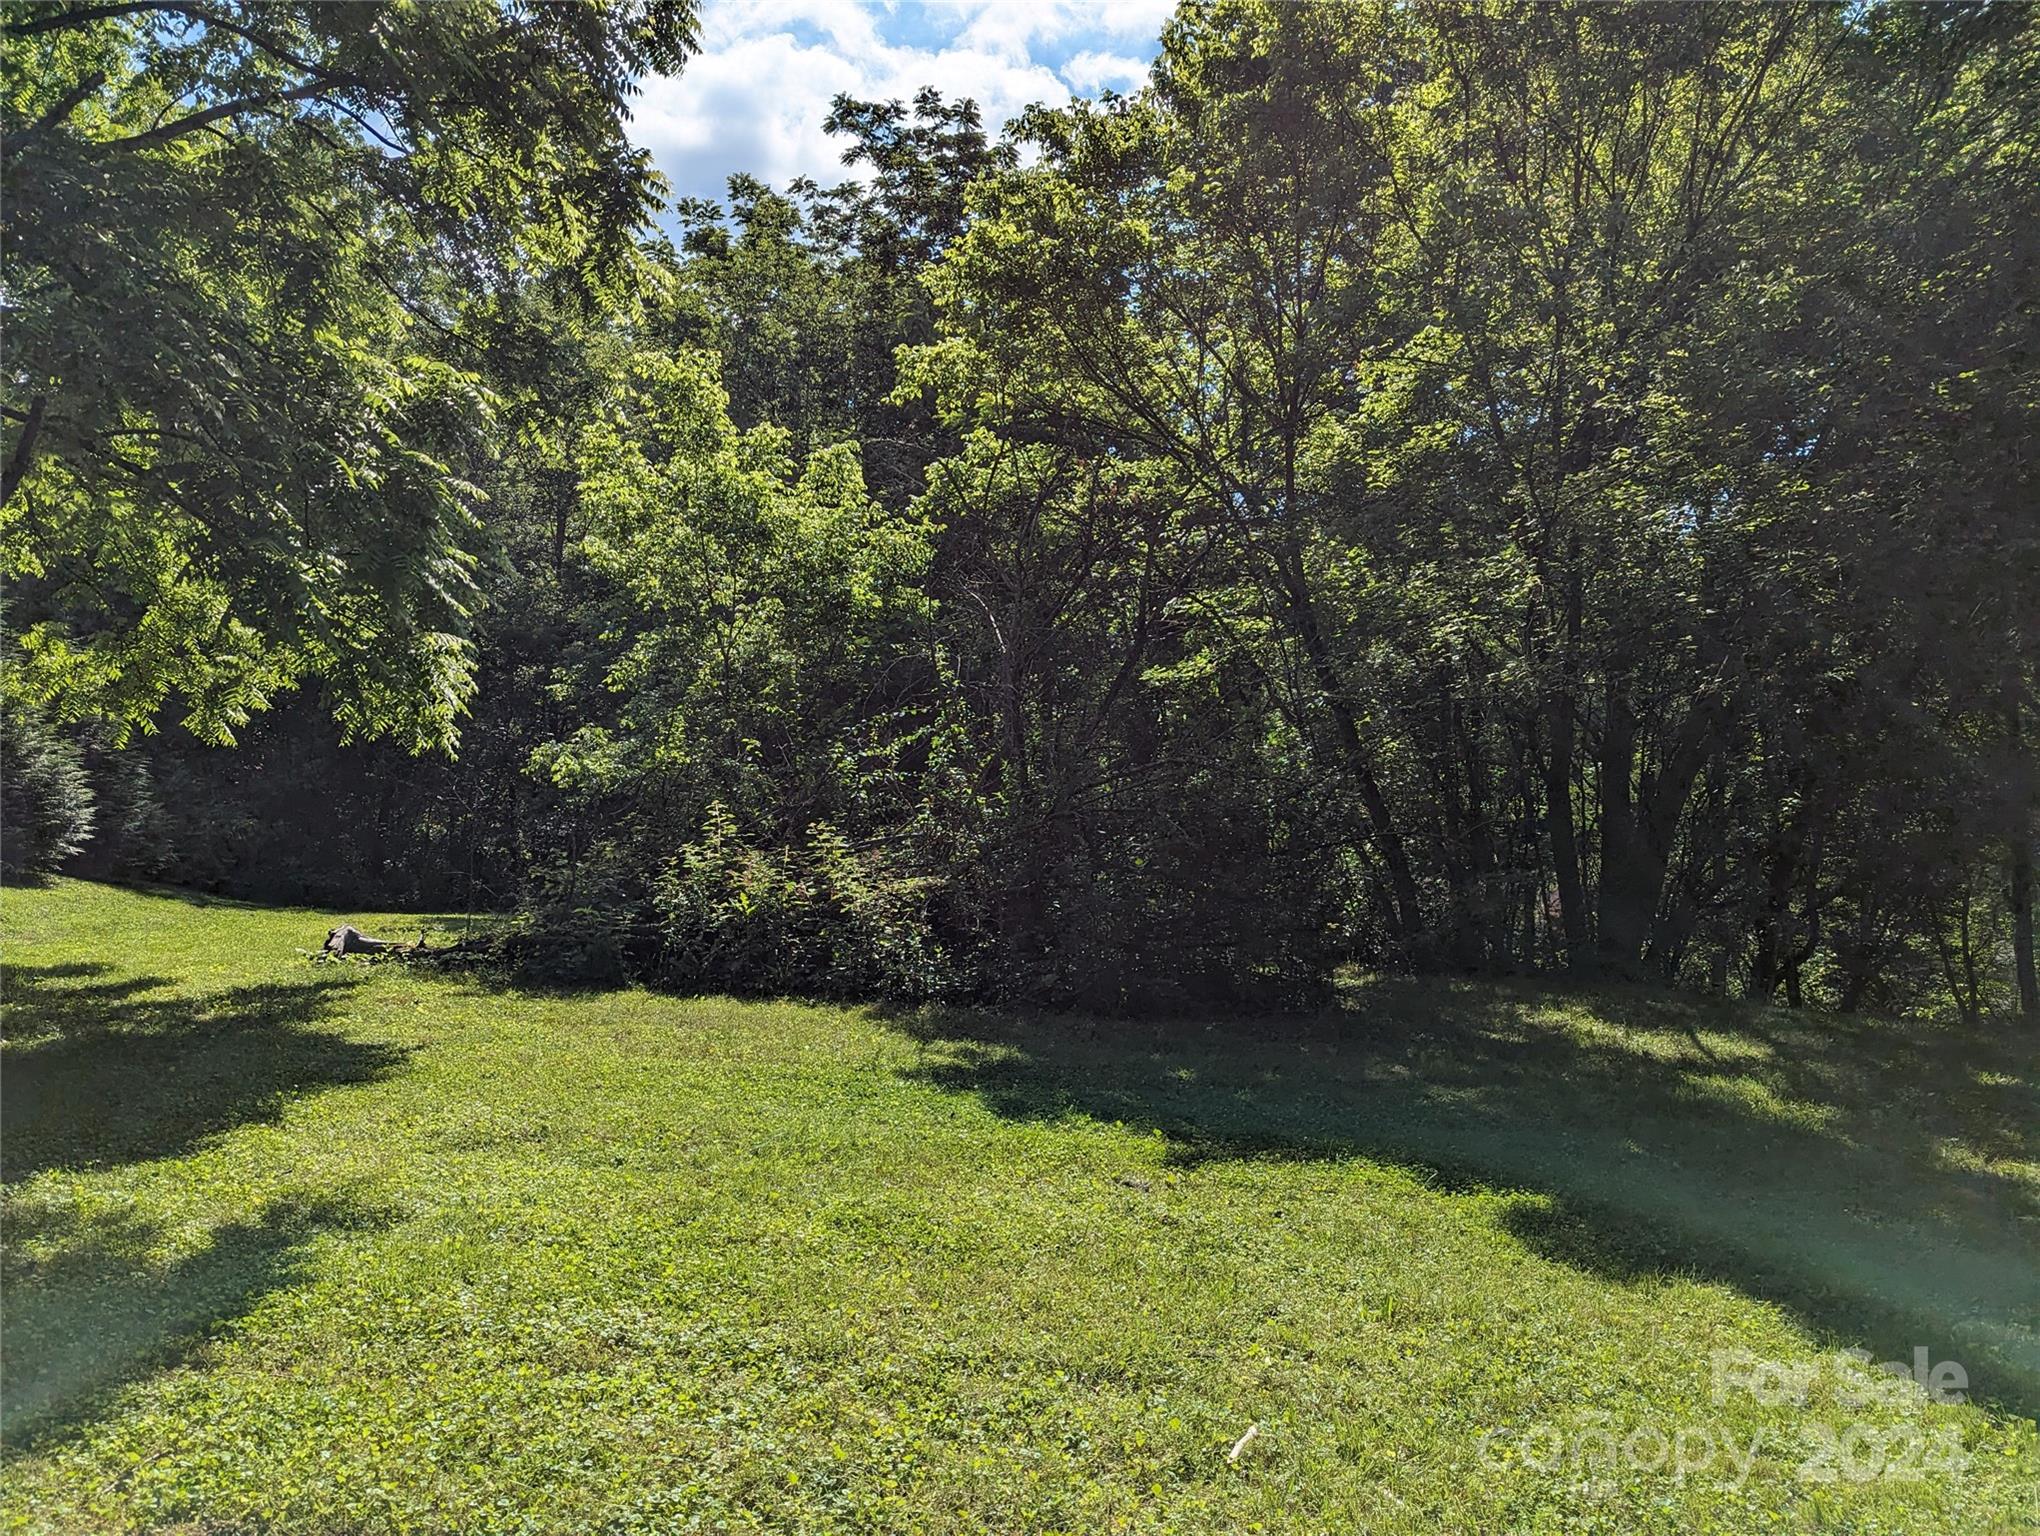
(351, 1249)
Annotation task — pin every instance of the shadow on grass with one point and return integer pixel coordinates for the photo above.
(1844, 1169)
(101, 1070)
(401, 926)
(89, 1312)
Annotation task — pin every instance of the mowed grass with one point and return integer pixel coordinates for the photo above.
(356, 1249)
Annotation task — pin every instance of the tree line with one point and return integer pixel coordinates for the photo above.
(1447, 487)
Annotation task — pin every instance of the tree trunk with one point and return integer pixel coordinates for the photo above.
(1628, 897)
(1969, 976)
(1769, 959)
(1558, 820)
(24, 450)
(1404, 906)
(1490, 917)
(2022, 927)
(565, 493)
(2021, 893)
(1461, 843)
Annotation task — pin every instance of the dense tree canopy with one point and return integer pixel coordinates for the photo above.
(1493, 487)
(237, 237)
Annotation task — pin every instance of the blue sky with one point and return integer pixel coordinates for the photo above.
(754, 98)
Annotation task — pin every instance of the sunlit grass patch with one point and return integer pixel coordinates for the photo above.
(344, 1249)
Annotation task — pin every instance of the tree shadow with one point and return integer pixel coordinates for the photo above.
(1849, 1171)
(102, 1070)
(89, 1312)
(191, 896)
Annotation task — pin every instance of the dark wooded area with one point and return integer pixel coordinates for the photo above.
(1437, 488)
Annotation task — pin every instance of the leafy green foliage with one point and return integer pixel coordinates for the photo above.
(827, 919)
(1529, 453)
(756, 596)
(1519, 488)
(46, 800)
(235, 235)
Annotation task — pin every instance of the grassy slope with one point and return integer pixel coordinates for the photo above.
(341, 1249)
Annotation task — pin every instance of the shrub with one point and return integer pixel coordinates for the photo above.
(826, 918)
(46, 801)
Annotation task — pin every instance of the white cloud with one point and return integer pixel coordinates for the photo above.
(751, 107)
(1090, 72)
(851, 25)
(755, 97)
(1012, 26)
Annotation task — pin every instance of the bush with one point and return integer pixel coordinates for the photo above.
(827, 919)
(569, 946)
(132, 834)
(46, 801)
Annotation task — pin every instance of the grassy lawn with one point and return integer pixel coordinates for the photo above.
(346, 1249)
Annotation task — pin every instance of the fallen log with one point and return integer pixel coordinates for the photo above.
(348, 940)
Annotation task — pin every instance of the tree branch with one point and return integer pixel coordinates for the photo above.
(197, 120)
(65, 105)
(24, 449)
(77, 17)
